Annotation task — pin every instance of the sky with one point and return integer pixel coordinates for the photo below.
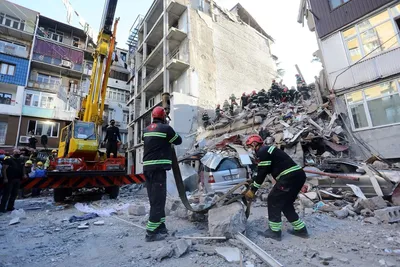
(294, 44)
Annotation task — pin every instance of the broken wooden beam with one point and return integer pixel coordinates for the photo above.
(265, 257)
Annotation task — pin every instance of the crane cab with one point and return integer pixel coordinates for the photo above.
(79, 140)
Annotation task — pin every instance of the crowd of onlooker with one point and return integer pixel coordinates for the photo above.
(17, 165)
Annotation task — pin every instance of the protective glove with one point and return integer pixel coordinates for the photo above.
(250, 195)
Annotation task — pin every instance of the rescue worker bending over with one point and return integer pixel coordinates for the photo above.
(112, 138)
(289, 178)
(157, 159)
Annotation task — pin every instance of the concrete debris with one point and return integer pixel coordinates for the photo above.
(196, 217)
(371, 220)
(306, 202)
(14, 221)
(181, 246)
(367, 213)
(163, 253)
(325, 256)
(388, 215)
(136, 210)
(83, 226)
(208, 250)
(341, 214)
(374, 203)
(227, 220)
(99, 223)
(229, 254)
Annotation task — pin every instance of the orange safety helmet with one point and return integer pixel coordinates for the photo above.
(254, 138)
(158, 113)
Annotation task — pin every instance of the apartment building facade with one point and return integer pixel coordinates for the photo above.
(359, 47)
(17, 26)
(200, 54)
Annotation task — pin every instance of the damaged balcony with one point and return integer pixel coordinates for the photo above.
(176, 7)
(154, 80)
(155, 56)
(177, 64)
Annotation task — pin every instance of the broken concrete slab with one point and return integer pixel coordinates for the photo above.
(227, 220)
(14, 221)
(196, 217)
(388, 215)
(163, 253)
(209, 250)
(371, 220)
(137, 210)
(325, 256)
(181, 246)
(367, 213)
(171, 205)
(341, 214)
(229, 254)
(374, 203)
(99, 223)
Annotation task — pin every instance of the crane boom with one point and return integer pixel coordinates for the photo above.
(93, 104)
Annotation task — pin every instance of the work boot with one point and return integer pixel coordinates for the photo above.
(162, 229)
(303, 233)
(154, 236)
(276, 235)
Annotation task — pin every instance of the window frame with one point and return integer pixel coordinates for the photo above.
(343, 2)
(21, 22)
(3, 94)
(370, 126)
(53, 123)
(40, 96)
(8, 65)
(5, 131)
(358, 33)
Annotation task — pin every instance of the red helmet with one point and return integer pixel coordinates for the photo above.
(254, 92)
(218, 105)
(254, 138)
(243, 94)
(273, 81)
(158, 113)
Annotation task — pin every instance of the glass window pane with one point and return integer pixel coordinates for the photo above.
(354, 49)
(373, 21)
(385, 110)
(35, 100)
(31, 127)
(3, 132)
(354, 97)
(349, 32)
(4, 68)
(387, 36)
(380, 90)
(55, 130)
(43, 102)
(15, 25)
(39, 128)
(371, 42)
(28, 99)
(11, 70)
(359, 116)
(396, 10)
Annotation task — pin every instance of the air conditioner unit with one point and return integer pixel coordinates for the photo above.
(66, 63)
(24, 139)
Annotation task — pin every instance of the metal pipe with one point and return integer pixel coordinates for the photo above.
(334, 175)
(26, 80)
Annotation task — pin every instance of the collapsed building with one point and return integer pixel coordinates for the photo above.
(198, 53)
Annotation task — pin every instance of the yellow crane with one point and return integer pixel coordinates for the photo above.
(80, 139)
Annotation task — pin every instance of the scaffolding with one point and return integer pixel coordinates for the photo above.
(133, 39)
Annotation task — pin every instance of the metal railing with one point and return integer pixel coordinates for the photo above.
(47, 86)
(12, 49)
(153, 73)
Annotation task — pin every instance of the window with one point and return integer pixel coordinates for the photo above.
(75, 41)
(84, 130)
(111, 114)
(119, 75)
(44, 78)
(3, 132)
(39, 99)
(12, 22)
(55, 35)
(375, 106)
(373, 35)
(337, 3)
(228, 164)
(7, 69)
(123, 56)
(125, 117)
(5, 98)
(40, 128)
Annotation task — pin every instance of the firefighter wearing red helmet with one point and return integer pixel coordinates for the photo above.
(157, 159)
(289, 178)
